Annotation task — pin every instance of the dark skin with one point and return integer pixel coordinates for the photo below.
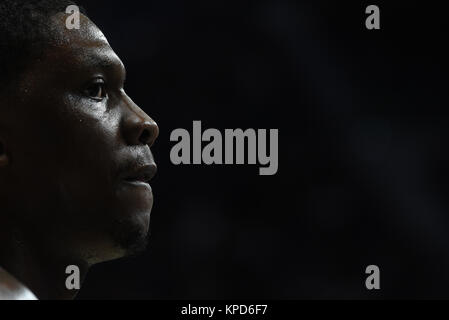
(75, 162)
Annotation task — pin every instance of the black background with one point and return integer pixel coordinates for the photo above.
(363, 153)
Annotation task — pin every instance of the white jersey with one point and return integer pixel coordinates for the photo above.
(12, 289)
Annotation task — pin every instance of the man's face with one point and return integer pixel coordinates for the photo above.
(79, 149)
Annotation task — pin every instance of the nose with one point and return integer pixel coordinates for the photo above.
(138, 127)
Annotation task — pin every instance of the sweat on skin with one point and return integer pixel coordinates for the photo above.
(234, 139)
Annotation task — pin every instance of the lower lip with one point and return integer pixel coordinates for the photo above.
(138, 184)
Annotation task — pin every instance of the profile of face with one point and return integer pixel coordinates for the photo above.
(75, 160)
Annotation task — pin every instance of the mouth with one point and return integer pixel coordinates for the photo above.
(141, 176)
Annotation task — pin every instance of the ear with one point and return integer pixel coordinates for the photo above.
(4, 160)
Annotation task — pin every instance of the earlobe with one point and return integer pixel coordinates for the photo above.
(4, 160)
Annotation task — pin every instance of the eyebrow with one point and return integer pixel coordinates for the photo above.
(105, 61)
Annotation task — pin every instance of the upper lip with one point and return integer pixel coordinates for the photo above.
(142, 173)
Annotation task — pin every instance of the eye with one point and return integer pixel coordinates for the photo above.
(96, 90)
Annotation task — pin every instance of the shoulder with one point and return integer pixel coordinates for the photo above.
(12, 289)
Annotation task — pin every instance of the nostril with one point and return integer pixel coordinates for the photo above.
(145, 136)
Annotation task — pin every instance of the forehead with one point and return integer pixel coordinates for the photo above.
(88, 33)
(83, 47)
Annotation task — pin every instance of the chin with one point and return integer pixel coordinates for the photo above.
(126, 224)
(130, 235)
(121, 239)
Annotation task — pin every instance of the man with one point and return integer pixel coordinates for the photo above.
(75, 156)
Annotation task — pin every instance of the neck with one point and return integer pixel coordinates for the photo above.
(39, 266)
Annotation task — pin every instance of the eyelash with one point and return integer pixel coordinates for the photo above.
(97, 90)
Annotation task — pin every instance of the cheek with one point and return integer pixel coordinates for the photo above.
(89, 134)
(83, 155)
(65, 152)
(89, 150)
